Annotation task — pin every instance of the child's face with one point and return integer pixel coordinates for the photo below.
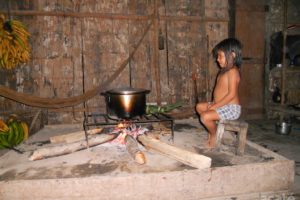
(221, 59)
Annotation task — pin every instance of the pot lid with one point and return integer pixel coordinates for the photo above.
(128, 90)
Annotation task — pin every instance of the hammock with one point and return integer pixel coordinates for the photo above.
(41, 102)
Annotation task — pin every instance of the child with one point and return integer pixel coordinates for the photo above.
(226, 103)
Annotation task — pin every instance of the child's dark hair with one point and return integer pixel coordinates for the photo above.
(228, 46)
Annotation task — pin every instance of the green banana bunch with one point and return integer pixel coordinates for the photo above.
(14, 136)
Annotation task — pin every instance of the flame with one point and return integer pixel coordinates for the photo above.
(124, 124)
(126, 127)
(121, 125)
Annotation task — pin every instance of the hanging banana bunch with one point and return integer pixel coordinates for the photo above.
(14, 43)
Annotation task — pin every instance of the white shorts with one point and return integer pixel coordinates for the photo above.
(229, 111)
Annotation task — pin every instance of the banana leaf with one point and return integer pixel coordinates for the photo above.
(155, 109)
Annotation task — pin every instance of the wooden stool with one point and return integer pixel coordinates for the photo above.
(238, 126)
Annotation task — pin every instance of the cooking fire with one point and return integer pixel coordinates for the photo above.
(126, 128)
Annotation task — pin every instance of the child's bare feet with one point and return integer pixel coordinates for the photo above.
(211, 143)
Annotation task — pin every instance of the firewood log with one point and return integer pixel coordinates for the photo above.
(73, 137)
(134, 151)
(189, 158)
(63, 149)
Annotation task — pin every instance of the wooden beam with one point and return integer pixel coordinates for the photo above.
(78, 14)
(112, 16)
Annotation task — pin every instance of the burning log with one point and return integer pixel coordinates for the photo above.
(63, 149)
(133, 150)
(184, 156)
(73, 137)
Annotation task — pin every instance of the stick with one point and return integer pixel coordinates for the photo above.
(133, 150)
(72, 147)
(194, 77)
(73, 137)
(34, 119)
(184, 156)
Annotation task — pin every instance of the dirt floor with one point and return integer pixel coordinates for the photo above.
(113, 159)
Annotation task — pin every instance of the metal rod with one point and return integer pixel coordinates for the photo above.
(157, 118)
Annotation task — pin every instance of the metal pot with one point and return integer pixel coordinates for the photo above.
(283, 128)
(126, 103)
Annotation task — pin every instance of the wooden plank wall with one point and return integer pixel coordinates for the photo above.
(77, 45)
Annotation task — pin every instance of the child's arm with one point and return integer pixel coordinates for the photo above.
(233, 83)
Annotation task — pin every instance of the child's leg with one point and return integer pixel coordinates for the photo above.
(201, 107)
(209, 119)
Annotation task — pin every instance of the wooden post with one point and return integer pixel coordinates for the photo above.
(284, 64)
(156, 54)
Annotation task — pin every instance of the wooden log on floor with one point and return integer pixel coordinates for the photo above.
(134, 151)
(73, 137)
(63, 149)
(187, 157)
